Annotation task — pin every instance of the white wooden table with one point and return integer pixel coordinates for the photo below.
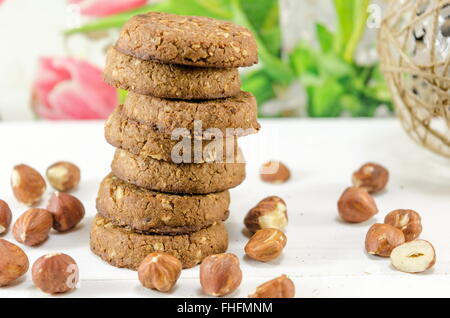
(324, 256)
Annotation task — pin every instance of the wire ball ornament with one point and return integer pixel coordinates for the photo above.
(414, 49)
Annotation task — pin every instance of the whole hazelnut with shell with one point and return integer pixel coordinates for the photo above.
(27, 184)
(280, 287)
(220, 274)
(32, 227)
(356, 205)
(55, 273)
(266, 245)
(13, 262)
(371, 176)
(159, 271)
(67, 211)
(5, 217)
(275, 172)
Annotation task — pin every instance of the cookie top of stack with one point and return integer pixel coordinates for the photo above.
(187, 40)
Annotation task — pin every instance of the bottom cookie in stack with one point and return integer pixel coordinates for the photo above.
(123, 247)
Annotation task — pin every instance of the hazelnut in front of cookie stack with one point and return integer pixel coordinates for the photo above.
(176, 138)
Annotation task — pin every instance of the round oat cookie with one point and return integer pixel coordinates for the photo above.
(169, 80)
(122, 247)
(142, 140)
(187, 40)
(144, 210)
(239, 112)
(168, 177)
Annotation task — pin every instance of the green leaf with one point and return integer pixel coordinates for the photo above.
(263, 15)
(378, 91)
(378, 86)
(365, 107)
(309, 79)
(258, 11)
(360, 15)
(303, 59)
(122, 95)
(117, 20)
(345, 13)
(219, 9)
(324, 99)
(352, 17)
(351, 103)
(259, 84)
(279, 71)
(333, 66)
(325, 37)
(334, 85)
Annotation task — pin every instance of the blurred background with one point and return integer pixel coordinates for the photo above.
(317, 57)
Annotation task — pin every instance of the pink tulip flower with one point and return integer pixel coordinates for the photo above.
(102, 8)
(66, 88)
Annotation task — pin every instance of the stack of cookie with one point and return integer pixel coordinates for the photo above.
(176, 136)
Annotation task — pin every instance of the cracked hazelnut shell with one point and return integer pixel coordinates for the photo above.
(270, 212)
(371, 176)
(63, 176)
(381, 239)
(408, 221)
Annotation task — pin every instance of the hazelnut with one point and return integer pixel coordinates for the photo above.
(408, 221)
(32, 227)
(13, 262)
(55, 273)
(381, 239)
(27, 184)
(159, 271)
(280, 287)
(270, 212)
(356, 205)
(5, 216)
(63, 176)
(371, 177)
(266, 245)
(413, 257)
(274, 172)
(67, 211)
(220, 274)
